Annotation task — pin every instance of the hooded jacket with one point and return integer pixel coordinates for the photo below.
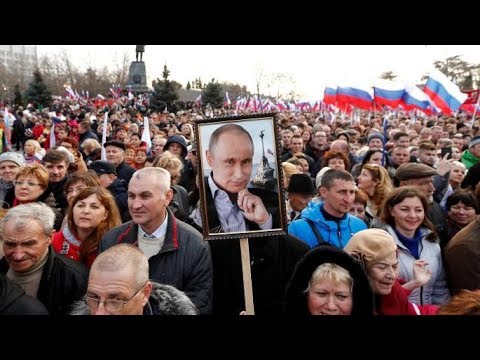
(337, 234)
(164, 300)
(296, 298)
(14, 301)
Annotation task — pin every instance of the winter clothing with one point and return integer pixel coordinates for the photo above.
(296, 297)
(125, 172)
(433, 292)
(14, 301)
(119, 190)
(14, 157)
(179, 139)
(272, 261)
(63, 282)
(66, 243)
(164, 300)
(462, 258)
(468, 159)
(184, 260)
(396, 303)
(335, 233)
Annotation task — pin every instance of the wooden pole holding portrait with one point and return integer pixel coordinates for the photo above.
(247, 277)
(240, 182)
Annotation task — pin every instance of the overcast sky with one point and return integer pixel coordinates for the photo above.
(311, 66)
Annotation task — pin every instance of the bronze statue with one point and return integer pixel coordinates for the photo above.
(139, 50)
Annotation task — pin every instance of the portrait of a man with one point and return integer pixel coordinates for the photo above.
(239, 178)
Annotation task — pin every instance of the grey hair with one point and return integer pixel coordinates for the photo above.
(21, 217)
(121, 256)
(162, 175)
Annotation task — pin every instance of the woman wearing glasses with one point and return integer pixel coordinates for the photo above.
(31, 182)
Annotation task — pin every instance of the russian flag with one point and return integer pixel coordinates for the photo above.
(361, 98)
(414, 97)
(389, 93)
(330, 95)
(444, 93)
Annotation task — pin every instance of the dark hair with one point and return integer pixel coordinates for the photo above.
(400, 134)
(396, 197)
(462, 196)
(90, 178)
(227, 128)
(369, 154)
(331, 175)
(55, 157)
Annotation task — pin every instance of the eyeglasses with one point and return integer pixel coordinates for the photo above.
(111, 305)
(25, 183)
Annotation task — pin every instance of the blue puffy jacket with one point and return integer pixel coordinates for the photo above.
(337, 234)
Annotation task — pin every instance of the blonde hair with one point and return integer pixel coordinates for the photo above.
(38, 171)
(332, 272)
(168, 161)
(35, 144)
(288, 170)
(384, 186)
(89, 145)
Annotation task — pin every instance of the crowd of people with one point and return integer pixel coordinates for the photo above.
(380, 214)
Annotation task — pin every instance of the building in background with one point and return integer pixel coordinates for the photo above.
(17, 64)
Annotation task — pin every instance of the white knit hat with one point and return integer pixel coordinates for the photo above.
(17, 158)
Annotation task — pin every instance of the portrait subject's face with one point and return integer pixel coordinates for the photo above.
(231, 161)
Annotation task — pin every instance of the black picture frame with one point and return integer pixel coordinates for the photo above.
(265, 180)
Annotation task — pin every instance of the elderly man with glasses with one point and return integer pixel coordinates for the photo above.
(118, 285)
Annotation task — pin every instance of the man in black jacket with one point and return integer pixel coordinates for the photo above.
(31, 262)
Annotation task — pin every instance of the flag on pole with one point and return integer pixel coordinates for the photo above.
(146, 134)
(444, 93)
(104, 136)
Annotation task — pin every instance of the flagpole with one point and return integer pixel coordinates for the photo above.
(104, 136)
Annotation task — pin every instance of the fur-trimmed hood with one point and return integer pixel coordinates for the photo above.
(296, 298)
(164, 300)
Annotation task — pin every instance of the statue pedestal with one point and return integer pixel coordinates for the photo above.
(137, 77)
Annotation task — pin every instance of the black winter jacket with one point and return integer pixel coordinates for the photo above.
(14, 301)
(63, 282)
